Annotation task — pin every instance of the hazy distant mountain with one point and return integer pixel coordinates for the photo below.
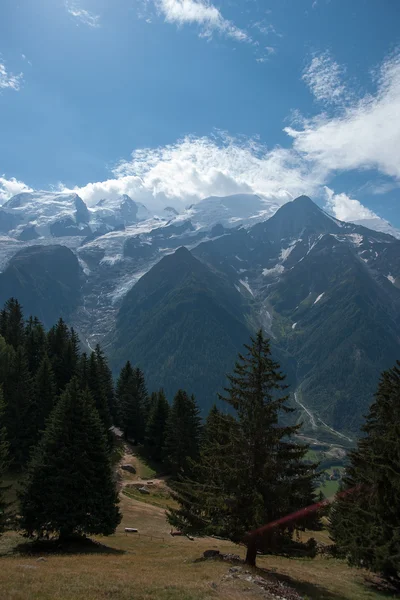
(183, 324)
(327, 292)
(45, 279)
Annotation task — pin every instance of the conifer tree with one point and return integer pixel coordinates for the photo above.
(3, 460)
(3, 322)
(35, 343)
(156, 425)
(95, 383)
(7, 357)
(69, 487)
(107, 383)
(44, 390)
(132, 398)
(251, 472)
(13, 326)
(365, 518)
(21, 409)
(182, 437)
(63, 353)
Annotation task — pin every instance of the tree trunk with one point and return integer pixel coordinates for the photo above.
(251, 554)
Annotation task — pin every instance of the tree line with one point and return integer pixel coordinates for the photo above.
(58, 406)
(242, 469)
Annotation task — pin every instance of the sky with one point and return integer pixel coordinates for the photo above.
(171, 101)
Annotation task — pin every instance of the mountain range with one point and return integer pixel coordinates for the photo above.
(179, 294)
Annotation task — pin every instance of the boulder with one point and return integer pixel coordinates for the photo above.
(129, 468)
(211, 553)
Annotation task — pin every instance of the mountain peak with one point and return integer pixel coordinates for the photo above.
(184, 255)
(294, 219)
(304, 201)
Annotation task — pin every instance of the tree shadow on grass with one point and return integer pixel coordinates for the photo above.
(73, 545)
(319, 592)
(143, 453)
(309, 590)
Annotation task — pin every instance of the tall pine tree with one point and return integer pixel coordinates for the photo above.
(3, 460)
(132, 399)
(13, 323)
(182, 436)
(156, 425)
(35, 343)
(21, 409)
(251, 472)
(105, 375)
(63, 353)
(44, 391)
(95, 383)
(70, 487)
(365, 518)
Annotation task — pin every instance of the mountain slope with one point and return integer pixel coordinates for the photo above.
(183, 324)
(45, 280)
(327, 292)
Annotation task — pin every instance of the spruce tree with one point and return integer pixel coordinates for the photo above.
(251, 472)
(44, 390)
(63, 353)
(132, 400)
(95, 383)
(365, 518)
(70, 487)
(182, 436)
(107, 383)
(156, 425)
(3, 460)
(21, 409)
(14, 330)
(35, 343)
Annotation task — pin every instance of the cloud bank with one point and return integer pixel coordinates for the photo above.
(366, 135)
(11, 187)
(360, 134)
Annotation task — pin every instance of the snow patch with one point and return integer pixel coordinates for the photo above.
(245, 284)
(356, 238)
(111, 260)
(286, 251)
(294, 325)
(277, 270)
(391, 278)
(319, 298)
(84, 266)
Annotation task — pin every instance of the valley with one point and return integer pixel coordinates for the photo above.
(153, 564)
(327, 292)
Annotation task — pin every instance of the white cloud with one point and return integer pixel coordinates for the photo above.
(366, 135)
(195, 168)
(324, 78)
(202, 13)
(345, 208)
(10, 187)
(9, 80)
(84, 16)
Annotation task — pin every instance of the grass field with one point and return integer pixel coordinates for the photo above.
(154, 565)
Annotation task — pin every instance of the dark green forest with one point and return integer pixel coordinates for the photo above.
(231, 474)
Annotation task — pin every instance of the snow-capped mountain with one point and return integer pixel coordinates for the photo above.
(326, 291)
(379, 224)
(230, 211)
(118, 211)
(43, 214)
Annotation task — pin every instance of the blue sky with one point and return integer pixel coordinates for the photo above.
(174, 100)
